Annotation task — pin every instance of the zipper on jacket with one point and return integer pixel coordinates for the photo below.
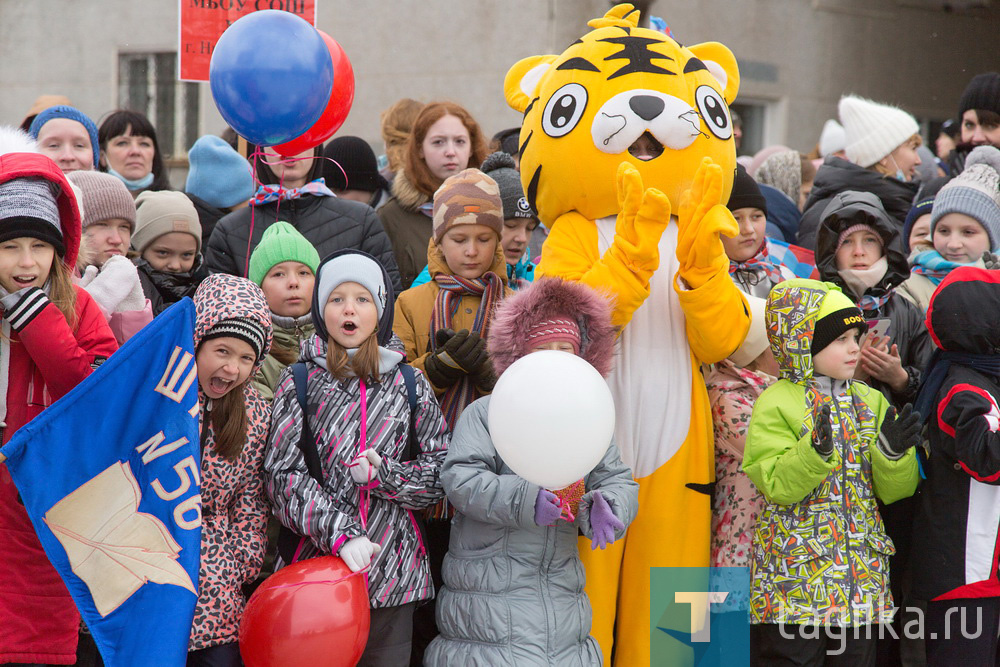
(847, 511)
(543, 577)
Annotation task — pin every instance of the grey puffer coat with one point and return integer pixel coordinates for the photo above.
(513, 591)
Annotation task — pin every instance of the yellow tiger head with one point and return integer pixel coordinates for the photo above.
(617, 87)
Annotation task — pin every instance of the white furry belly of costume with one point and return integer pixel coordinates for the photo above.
(651, 381)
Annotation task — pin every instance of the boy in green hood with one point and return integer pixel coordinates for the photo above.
(821, 447)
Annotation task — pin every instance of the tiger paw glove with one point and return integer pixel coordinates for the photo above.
(899, 434)
(643, 215)
(702, 220)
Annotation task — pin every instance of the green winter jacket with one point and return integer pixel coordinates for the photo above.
(820, 553)
(288, 333)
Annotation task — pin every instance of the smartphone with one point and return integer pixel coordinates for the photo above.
(878, 330)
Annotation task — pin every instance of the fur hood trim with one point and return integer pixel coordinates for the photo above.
(549, 297)
(13, 140)
(406, 193)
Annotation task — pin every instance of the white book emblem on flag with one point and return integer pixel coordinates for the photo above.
(112, 546)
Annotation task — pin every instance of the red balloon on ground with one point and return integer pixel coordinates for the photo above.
(335, 113)
(315, 612)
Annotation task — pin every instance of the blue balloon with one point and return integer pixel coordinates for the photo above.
(271, 76)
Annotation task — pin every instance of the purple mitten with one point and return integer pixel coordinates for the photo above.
(547, 508)
(603, 522)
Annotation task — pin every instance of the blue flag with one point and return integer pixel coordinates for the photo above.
(110, 476)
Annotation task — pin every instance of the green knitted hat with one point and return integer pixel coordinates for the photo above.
(281, 243)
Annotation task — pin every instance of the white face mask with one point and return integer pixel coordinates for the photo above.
(899, 172)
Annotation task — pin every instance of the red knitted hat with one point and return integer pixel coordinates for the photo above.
(555, 330)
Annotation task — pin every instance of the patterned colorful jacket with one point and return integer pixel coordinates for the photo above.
(234, 508)
(820, 553)
(736, 503)
(335, 512)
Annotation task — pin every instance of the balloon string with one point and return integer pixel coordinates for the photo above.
(363, 491)
(347, 183)
(309, 157)
(256, 181)
(566, 510)
(321, 581)
(258, 154)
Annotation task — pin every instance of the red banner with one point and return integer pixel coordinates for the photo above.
(202, 22)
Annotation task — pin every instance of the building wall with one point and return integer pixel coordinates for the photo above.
(797, 56)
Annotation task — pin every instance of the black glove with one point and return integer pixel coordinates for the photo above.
(900, 433)
(462, 354)
(822, 439)
(485, 378)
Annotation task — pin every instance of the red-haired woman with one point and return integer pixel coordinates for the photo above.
(445, 140)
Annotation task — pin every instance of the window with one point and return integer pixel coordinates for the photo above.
(147, 82)
(753, 116)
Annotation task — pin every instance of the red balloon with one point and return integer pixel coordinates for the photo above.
(335, 113)
(315, 612)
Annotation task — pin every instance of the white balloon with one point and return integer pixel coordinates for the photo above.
(551, 418)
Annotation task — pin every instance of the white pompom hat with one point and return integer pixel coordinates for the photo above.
(873, 130)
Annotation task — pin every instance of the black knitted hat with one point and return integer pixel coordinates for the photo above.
(746, 192)
(358, 162)
(983, 92)
(829, 328)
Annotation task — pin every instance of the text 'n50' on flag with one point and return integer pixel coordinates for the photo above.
(110, 476)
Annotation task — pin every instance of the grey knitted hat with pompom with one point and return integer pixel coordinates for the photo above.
(975, 192)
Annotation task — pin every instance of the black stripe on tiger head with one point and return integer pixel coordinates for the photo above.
(532, 193)
(694, 65)
(530, 106)
(579, 63)
(526, 141)
(638, 54)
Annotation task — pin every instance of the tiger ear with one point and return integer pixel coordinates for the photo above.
(522, 80)
(721, 64)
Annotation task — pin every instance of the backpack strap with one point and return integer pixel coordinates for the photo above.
(412, 446)
(289, 543)
(410, 378)
(306, 441)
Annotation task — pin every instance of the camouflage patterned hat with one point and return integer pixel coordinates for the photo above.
(469, 197)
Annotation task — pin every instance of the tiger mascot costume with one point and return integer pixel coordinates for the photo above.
(627, 155)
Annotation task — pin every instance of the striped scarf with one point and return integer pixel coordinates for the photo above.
(931, 265)
(870, 303)
(452, 288)
(269, 193)
(757, 267)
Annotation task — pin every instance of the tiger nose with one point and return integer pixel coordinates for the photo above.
(646, 107)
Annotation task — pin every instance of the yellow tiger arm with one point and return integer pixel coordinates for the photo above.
(571, 252)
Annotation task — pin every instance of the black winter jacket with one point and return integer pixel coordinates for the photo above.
(208, 215)
(165, 289)
(329, 223)
(956, 541)
(907, 330)
(837, 175)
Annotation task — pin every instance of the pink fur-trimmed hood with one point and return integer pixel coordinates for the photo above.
(545, 298)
